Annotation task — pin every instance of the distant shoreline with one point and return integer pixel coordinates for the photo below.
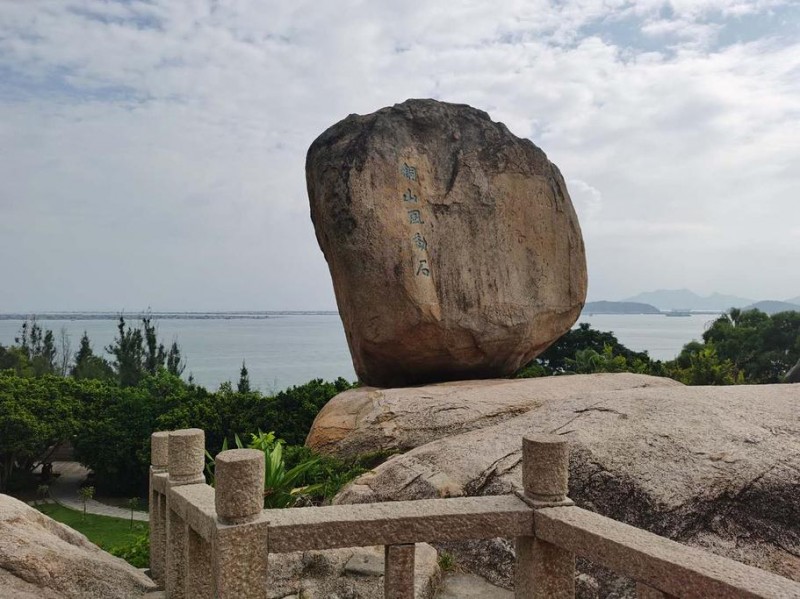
(244, 315)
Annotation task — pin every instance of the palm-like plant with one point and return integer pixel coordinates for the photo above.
(279, 483)
(280, 488)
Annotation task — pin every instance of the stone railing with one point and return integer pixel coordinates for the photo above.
(215, 542)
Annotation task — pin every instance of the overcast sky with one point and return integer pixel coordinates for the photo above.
(153, 151)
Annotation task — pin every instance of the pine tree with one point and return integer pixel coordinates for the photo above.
(89, 366)
(244, 380)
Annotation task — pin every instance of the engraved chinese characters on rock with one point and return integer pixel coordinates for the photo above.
(415, 217)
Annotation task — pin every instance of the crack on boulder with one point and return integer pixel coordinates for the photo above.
(600, 409)
(478, 484)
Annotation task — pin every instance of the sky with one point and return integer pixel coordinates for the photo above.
(153, 151)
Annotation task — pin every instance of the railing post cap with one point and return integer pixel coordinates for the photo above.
(187, 432)
(186, 455)
(239, 493)
(239, 455)
(159, 449)
(545, 467)
(545, 439)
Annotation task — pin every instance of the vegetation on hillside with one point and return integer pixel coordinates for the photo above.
(742, 346)
(108, 409)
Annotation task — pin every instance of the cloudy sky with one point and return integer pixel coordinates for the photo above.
(153, 151)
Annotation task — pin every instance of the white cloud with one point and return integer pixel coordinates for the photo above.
(163, 142)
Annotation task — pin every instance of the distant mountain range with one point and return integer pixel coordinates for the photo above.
(667, 300)
(604, 307)
(773, 307)
(684, 299)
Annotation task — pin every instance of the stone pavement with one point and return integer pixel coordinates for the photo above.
(463, 585)
(64, 489)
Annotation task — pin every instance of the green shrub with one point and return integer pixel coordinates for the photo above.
(136, 553)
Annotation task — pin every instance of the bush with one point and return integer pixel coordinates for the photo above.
(136, 553)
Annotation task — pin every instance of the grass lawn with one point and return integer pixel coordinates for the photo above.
(103, 531)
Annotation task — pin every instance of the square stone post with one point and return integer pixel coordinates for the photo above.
(186, 453)
(158, 517)
(240, 543)
(544, 571)
(200, 582)
(398, 580)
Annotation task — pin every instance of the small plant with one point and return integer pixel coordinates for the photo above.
(446, 561)
(136, 553)
(280, 484)
(133, 503)
(42, 493)
(86, 493)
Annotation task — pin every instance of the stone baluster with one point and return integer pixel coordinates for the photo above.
(186, 453)
(542, 569)
(240, 543)
(398, 580)
(159, 451)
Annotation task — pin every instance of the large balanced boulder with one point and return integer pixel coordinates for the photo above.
(453, 245)
(40, 557)
(714, 467)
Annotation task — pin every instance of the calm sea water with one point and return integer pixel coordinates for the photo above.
(290, 349)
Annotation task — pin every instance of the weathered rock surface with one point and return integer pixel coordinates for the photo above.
(714, 467)
(366, 419)
(453, 245)
(354, 573)
(40, 557)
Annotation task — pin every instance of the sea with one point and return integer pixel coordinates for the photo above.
(281, 349)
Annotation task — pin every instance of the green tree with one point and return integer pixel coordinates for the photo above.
(699, 364)
(116, 423)
(138, 353)
(763, 347)
(243, 386)
(128, 354)
(88, 365)
(38, 345)
(86, 494)
(561, 356)
(14, 359)
(35, 415)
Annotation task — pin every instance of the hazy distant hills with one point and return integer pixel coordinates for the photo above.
(773, 307)
(619, 308)
(684, 299)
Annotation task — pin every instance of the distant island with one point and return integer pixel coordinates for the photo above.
(604, 307)
(250, 315)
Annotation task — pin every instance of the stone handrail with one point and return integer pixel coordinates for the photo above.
(215, 542)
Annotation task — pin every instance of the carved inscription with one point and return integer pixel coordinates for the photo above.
(415, 217)
(409, 197)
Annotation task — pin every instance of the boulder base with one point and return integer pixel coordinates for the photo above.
(713, 467)
(367, 419)
(453, 245)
